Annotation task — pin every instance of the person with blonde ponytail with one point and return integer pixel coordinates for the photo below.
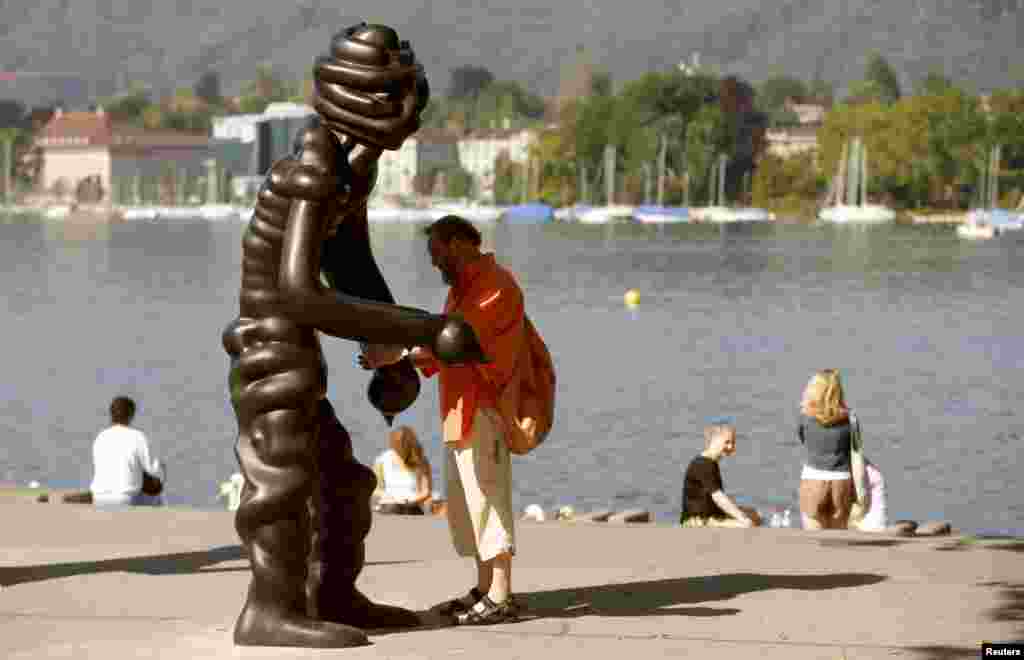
(826, 485)
(405, 472)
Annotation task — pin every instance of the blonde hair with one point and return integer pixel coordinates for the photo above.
(713, 431)
(823, 398)
(403, 442)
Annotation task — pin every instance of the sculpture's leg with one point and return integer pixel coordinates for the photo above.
(273, 523)
(341, 522)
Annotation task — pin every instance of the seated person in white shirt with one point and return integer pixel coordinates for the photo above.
(405, 473)
(120, 455)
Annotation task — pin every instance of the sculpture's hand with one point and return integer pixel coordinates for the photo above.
(457, 343)
(374, 356)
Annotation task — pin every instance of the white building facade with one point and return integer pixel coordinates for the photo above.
(243, 127)
(479, 150)
(396, 171)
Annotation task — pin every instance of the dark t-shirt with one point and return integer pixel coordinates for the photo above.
(828, 447)
(702, 478)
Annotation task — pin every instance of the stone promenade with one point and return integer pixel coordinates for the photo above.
(168, 583)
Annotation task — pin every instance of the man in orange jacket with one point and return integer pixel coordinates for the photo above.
(479, 465)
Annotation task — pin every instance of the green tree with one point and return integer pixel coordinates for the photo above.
(266, 88)
(783, 118)
(934, 83)
(458, 183)
(130, 106)
(710, 134)
(879, 71)
(505, 99)
(8, 136)
(789, 183)
(508, 179)
(207, 88)
(864, 91)
(667, 103)
(601, 84)
(468, 81)
(773, 92)
(819, 88)
(888, 156)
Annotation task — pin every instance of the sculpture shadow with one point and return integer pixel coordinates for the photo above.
(982, 544)
(1011, 608)
(178, 563)
(853, 543)
(664, 597)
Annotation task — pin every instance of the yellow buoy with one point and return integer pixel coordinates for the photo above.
(632, 298)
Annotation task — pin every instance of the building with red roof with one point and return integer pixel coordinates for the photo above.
(79, 145)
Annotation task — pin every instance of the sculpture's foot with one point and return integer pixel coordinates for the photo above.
(266, 627)
(360, 611)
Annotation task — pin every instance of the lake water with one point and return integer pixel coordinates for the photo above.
(925, 327)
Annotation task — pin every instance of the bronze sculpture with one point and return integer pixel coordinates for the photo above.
(307, 267)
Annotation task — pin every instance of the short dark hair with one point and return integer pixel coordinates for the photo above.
(453, 226)
(122, 410)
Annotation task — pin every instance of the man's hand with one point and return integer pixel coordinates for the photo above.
(421, 356)
(375, 356)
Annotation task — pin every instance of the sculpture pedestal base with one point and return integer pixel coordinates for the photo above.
(262, 626)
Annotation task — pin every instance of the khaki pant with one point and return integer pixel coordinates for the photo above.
(480, 491)
(826, 504)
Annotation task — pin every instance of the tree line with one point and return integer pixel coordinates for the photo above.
(924, 148)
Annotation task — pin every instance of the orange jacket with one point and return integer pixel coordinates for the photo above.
(489, 298)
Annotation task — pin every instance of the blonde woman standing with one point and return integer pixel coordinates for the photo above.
(406, 474)
(826, 484)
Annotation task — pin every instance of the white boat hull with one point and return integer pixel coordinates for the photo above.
(866, 214)
(60, 211)
(976, 231)
(600, 215)
(722, 214)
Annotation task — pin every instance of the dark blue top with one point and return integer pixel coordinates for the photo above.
(828, 447)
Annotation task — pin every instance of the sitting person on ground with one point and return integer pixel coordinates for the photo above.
(406, 487)
(873, 516)
(826, 484)
(122, 458)
(705, 503)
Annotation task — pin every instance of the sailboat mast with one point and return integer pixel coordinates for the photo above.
(723, 161)
(841, 175)
(863, 174)
(662, 152)
(609, 174)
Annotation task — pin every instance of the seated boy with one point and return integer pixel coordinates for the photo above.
(705, 503)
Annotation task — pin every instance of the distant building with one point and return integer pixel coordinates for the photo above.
(808, 111)
(787, 142)
(79, 145)
(426, 151)
(268, 137)
(243, 127)
(396, 171)
(478, 151)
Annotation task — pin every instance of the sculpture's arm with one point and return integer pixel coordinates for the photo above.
(331, 312)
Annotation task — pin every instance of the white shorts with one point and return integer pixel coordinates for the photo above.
(480, 491)
(814, 474)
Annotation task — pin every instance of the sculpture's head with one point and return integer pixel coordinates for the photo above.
(370, 86)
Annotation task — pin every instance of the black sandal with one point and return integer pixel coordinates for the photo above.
(487, 612)
(461, 604)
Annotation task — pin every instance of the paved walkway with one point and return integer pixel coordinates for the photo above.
(168, 583)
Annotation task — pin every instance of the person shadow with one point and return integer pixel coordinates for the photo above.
(178, 563)
(665, 597)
